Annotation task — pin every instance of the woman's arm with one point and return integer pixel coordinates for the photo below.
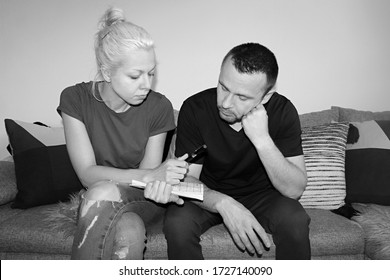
(153, 152)
(83, 159)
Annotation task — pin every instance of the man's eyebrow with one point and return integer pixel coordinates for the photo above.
(243, 95)
(154, 68)
(222, 84)
(236, 93)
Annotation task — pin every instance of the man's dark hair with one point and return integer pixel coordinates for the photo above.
(251, 58)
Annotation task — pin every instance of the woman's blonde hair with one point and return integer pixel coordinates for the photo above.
(115, 38)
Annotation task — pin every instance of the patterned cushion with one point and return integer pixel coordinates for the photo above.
(324, 152)
(367, 164)
(44, 173)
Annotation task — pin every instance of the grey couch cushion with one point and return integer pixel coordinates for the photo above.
(334, 236)
(353, 115)
(28, 233)
(6, 212)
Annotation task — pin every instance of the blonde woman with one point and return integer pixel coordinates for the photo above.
(115, 130)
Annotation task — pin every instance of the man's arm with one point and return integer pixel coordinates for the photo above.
(243, 226)
(288, 175)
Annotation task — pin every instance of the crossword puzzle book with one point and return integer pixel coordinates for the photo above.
(184, 189)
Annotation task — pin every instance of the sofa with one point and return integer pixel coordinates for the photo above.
(348, 204)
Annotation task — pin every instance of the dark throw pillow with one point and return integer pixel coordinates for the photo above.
(44, 173)
(367, 164)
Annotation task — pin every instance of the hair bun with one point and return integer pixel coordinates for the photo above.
(111, 17)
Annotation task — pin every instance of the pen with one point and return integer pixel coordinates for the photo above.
(195, 154)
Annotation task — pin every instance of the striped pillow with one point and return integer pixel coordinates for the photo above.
(324, 151)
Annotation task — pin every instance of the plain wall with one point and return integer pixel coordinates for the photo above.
(329, 52)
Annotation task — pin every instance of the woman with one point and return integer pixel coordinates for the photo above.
(115, 132)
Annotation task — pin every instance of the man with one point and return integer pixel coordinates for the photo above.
(254, 169)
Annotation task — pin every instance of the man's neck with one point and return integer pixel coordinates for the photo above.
(236, 126)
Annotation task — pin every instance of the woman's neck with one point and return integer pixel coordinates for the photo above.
(111, 99)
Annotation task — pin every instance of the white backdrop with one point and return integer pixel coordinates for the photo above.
(330, 52)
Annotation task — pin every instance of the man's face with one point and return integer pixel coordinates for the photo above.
(238, 93)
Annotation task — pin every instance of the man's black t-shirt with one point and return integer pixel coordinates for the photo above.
(231, 164)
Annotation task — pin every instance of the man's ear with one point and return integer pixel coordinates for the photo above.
(267, 96)
(106, 74)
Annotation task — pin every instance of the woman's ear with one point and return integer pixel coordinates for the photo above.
(106, 74)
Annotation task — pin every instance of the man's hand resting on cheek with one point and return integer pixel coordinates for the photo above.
(255, 124)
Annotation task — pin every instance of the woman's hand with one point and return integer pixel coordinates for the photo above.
(170, 171)
(161, 192)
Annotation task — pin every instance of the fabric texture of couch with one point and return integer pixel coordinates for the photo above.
(43, 230)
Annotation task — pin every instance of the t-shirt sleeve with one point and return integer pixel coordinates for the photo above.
(289, 139)
(163, 118)
(188, 136)
(70, 103)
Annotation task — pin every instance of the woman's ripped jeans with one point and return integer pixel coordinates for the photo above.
(112, 222)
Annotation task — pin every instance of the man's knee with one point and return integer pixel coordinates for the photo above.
(178, 223)
(172, 219)
(295, 221)
(182, 229)
(103, 190)
(300, 219)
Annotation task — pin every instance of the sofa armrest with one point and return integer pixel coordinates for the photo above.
(8, 188)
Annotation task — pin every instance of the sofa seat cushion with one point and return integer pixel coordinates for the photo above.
(216, 244)
(28, 232)
(6, 212)
(334, 236)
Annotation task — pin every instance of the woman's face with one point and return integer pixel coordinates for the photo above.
(132, 80)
